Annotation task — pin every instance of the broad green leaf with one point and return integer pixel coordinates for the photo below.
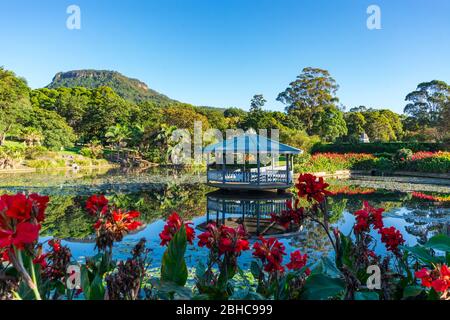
(412, 291)
(85, 282)
(421, 253)
(329, 267)
(321, 287)
(367, 295)
(255, 269)
(97, 289)
(440, 242)
(171, 288)
(173, 265)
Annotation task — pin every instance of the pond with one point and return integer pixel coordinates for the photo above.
(419, 209)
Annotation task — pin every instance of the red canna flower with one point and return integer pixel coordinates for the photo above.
(124, 221)
(368, 216)
(312, 187)
(41, 260)
(17, 206)
(40, 205)
(97, 205)
(438, 279)
(392, 238)
(55, 245)
(298, 262)
(293, 215)
(4, 256)
(424, 275)
(224, 239)
(173, 224)
(270, 252)
(25, 233)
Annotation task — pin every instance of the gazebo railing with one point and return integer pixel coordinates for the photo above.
(266, 176)
(249, 208)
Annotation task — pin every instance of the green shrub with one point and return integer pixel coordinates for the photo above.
(94, 150)
(431, 165)
(378, 147)
(403, 154)
(32, 153)
(83, 162)
(331, 162)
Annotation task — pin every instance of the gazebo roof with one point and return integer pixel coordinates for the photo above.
(251, 142)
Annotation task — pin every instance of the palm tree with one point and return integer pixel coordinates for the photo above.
(117, 136)
(163, 140)
(32, 137)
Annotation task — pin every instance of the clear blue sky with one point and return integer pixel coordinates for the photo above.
(221, 52)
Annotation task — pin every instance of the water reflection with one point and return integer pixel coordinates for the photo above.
(418, 219)
(252, 209)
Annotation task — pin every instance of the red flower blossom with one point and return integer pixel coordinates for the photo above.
(293, 215)
(173, 224)
(312, 187)
(17, 206)
(392, 238)
(24, 233)
(55, 245)
(40, 205)
(97, 205)
(438, 279)
(224, 239)
(298, 262)
(270, 252)
(4, 256)
(125, 220)
(41, 260)
(368, 216)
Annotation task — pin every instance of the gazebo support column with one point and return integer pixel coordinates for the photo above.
(223, 168)
(287, 169)
(258, 160)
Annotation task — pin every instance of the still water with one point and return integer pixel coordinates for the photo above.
(158, 193)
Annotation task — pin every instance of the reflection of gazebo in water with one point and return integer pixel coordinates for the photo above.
(250, 162)
(252, 210)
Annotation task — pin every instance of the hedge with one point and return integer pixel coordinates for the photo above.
(378, 147)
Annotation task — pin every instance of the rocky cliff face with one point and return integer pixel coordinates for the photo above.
(130, 89)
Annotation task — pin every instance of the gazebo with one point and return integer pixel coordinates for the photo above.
(250, 162)
(253, 210)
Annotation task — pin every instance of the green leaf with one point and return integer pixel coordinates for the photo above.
(85, 282)
(321, 287)
(329, 267)
(440, 242)
(412, 291)
(255, 269)
(173, 266)
(97, 290)
(421, 253)
(170, 289)
(367, 295)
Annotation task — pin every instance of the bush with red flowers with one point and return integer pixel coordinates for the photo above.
(173, 225)
(20, 221)
(273, 280)
(225, 245)
(293, 216)
(27, 272)
(112, 224)
(312, 187)
(175, 235)
(438, 279)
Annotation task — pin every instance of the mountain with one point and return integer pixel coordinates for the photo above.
(130, 89)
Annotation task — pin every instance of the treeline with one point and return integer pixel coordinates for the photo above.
(60, 117)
